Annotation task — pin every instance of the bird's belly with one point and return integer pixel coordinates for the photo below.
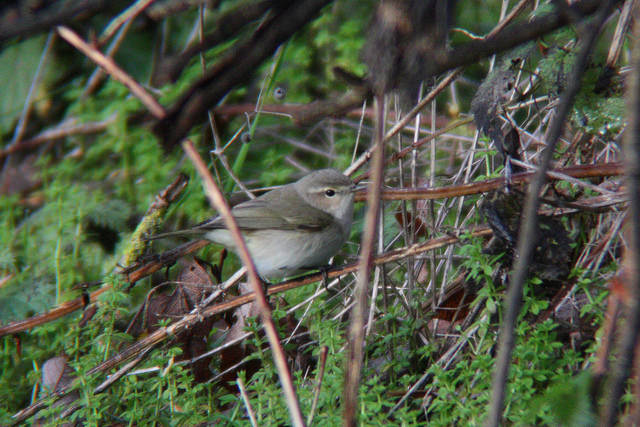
(283, 253)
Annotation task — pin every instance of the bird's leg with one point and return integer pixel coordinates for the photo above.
(265, 286)
(324, 270)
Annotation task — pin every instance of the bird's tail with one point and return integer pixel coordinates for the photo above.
(188, 232)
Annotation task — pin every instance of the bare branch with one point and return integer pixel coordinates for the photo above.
(58, 13)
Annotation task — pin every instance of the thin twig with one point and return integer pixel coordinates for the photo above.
(425, 193)
(620, 33)
(98, 74)
(507, 19)
(127, 16)
(64, 129)
(324, 350)
(121, 372)
(247, 402)
(356, 331)
(410, 148)
(564, 177)
(631, 329)
(114, 70)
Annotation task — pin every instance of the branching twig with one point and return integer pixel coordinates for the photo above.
(410, 148)
(425, 193)
(364, 157)
(67, 128)
(98, 75)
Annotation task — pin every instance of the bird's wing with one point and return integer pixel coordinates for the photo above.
(259, 214)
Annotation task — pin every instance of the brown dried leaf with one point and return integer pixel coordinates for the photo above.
(57, 374)
(194, 283)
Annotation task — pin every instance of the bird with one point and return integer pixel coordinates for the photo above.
(290, 229)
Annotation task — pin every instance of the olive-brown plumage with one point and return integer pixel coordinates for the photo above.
(291, 228)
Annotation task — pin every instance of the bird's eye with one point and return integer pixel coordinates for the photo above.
(330, 193)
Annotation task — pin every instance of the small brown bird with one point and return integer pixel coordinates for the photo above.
(292, 228)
